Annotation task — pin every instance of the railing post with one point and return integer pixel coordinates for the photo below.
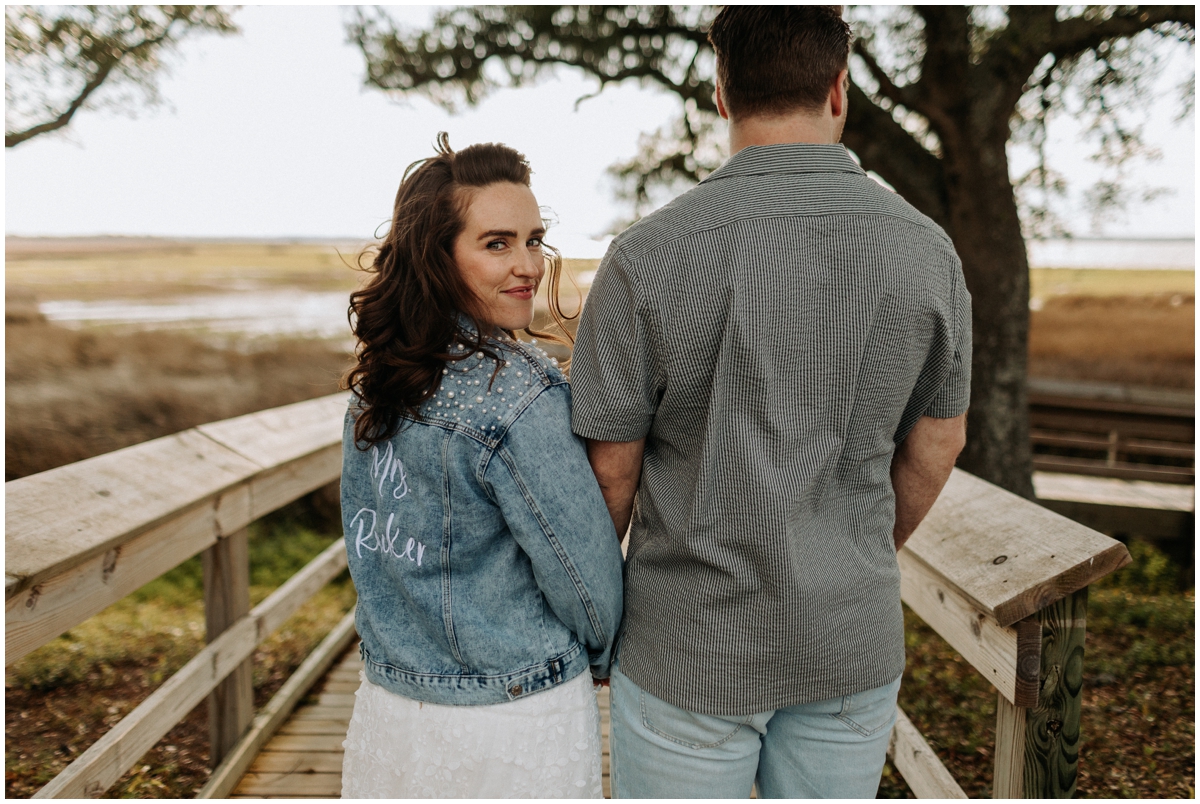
(227, 598)
(1037, 750)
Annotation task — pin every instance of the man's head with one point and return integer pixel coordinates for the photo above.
(778, 60)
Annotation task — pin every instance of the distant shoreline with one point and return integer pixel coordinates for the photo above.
(1104, 253)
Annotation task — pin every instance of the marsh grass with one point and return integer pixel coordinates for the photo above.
(1138, 340)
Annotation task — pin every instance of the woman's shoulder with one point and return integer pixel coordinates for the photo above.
(484, 393)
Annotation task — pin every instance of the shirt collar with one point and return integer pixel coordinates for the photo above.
(793, 157)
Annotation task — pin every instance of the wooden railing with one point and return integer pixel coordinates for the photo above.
(82, 536)
(1004, 581)
(1001, 579)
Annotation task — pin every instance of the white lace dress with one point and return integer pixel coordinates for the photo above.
(543, 746)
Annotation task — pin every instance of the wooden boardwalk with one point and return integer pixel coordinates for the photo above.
(304, 758)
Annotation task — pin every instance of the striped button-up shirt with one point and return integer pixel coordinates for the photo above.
(773, 334)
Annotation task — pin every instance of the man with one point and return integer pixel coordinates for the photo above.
(777, 364)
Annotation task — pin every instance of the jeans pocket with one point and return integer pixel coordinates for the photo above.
(685, 728)
(870, 711)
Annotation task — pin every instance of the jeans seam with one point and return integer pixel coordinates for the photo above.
(677, 741)
(848, 721)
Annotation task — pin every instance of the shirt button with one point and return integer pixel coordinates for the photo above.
(515, 691)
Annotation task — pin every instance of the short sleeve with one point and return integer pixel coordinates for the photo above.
(613, 367)
(954, 395)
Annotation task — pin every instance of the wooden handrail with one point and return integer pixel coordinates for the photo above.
(1002, 579)
(106, 760)
(80, 537)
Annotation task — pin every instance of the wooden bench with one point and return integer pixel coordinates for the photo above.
(1002, 579)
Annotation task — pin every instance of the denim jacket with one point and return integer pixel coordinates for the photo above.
(486, 564)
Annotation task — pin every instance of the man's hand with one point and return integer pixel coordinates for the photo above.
(618, 469)
(920, 468)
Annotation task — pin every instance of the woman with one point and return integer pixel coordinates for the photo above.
(487, 567)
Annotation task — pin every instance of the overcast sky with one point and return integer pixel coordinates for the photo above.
(270, 133)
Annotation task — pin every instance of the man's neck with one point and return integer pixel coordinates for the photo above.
(792, 128)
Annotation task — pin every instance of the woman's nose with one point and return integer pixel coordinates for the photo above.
(528, 264)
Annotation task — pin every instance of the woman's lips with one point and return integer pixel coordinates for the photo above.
(524, 293)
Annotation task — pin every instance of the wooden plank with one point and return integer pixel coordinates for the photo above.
(58, 519)
(226, 568)
(323, 713)
(279, 785)
(102, 764)
(1121, 470)
(1157, 428)
(65, 563)
(918, 763)
(308, 742)
(1102, 443)
(277, 487)
(315, 726)
(1010, 557)
(290, 762)
(1111, 491)
(39, 613)
(108, 758)
(225, 777)
(341, 686)
(998, 653)
(1168, 400)
(1009, 768)
(344, 699)
(1052, 729)
(281, 435)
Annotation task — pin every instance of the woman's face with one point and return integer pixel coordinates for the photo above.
(499, 253)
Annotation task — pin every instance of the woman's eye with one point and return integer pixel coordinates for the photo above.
(495, 245)
(534, 242)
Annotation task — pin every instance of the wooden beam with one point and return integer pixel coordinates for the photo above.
(138, 512)
(918, 763)
(39, 613)
(97, 768)
(1053, 729)
(1006, 656)
(1009, 768)
(57, 520)
(1008, 556)
(226, 600)
(225, 778)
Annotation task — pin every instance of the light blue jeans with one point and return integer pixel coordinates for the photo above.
(825, 749)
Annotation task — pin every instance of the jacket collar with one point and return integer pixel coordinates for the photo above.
(798, 157)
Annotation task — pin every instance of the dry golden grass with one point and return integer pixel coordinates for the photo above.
(1138, 340)
(71, 395)
(110, 268)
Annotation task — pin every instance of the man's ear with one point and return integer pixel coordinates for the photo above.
(721, 110)
(839, 93)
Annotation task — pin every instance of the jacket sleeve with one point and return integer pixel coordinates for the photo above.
(540, 477)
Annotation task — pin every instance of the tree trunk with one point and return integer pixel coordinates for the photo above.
(986, 230)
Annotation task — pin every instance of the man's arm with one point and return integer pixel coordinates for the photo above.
(618, 469)
(920, 468)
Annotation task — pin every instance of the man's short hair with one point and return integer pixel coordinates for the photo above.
(773, 60)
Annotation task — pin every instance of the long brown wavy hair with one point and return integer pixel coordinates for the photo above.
(406, 316)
